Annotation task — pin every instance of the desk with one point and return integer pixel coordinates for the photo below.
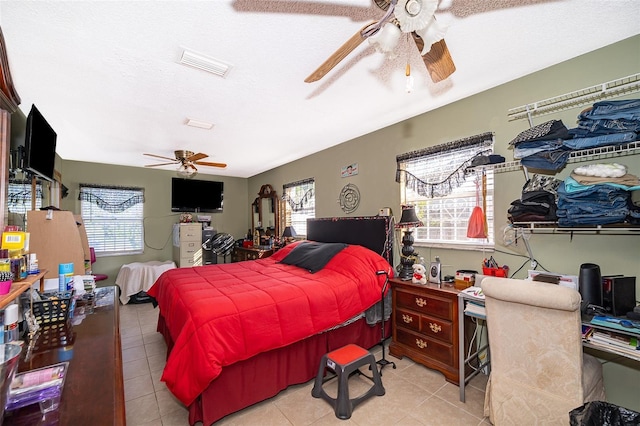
(463, 298)
(93, 393)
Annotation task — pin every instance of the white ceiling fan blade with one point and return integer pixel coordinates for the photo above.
(160, 164)
(160, 156)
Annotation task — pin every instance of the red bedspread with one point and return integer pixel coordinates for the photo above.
(220, 314)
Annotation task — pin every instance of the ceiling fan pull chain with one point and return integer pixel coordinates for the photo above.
(407, 70)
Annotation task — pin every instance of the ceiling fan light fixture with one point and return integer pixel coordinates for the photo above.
(205, 63)
(186, 170)
(415, 15)
(386, 40)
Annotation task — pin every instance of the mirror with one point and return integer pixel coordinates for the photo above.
(264, 216)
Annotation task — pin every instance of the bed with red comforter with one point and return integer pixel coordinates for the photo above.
(239, 333)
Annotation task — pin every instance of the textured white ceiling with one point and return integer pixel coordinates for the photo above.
(106, 76)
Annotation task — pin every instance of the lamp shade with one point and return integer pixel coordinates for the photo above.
(289, 232)
(409, 218)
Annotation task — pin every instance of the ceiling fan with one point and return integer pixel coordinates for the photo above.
(187, 161)
(415, 17)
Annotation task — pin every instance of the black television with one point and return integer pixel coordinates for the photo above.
(197, 196)
(39, 146)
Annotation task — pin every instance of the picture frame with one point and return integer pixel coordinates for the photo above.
(350, 170)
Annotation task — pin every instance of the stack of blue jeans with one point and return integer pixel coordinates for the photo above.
(599, 204)
(606, 123)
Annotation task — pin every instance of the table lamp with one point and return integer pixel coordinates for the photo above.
(289, 234)
(408, 221)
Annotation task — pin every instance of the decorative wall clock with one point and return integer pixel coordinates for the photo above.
(349, 198)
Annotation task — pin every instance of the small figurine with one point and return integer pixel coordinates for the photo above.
(419, 274)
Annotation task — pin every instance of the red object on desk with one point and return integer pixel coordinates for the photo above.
(496, 272)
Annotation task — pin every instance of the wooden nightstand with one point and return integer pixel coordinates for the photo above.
(250, 253)
(425, 326)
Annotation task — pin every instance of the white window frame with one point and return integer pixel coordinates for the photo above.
(300, 204)
(438, 182)
(113, 218)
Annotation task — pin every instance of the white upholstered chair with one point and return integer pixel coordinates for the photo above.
(538, 370)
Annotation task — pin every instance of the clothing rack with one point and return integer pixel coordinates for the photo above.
(610, 89)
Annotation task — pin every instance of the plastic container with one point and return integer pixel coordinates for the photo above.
(65, 277)
(5, 287)
(43, 386)
(496, 272)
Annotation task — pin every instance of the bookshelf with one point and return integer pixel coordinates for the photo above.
(602, 345)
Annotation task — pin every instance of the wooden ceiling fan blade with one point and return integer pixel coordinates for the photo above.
(196, 157)
(438, 60)
(342, 52)
(160, 156)
(205, 163)
(161, 164)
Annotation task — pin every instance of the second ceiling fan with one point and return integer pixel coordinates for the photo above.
(187, 161)
(415, 17)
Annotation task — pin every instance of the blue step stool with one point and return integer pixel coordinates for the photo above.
(343, 362)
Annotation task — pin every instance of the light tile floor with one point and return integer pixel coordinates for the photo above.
(414, 395)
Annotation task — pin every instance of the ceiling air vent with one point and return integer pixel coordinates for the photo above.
(205, 63)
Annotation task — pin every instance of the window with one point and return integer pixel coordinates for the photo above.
(113, 218)
(19, 196)
(444, 193)
(300, 204)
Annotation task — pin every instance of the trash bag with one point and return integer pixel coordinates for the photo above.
(600, 413)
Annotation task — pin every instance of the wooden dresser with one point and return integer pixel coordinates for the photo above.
(425, 326)
(250, 253)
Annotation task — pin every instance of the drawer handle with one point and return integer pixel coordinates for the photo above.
(407, 318)
(421, 343)
(421, 302)
(436, 328)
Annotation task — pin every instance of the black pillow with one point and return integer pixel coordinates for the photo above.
(312, 256)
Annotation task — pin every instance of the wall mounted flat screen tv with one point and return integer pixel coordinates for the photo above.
(40, 145)
(193, 195)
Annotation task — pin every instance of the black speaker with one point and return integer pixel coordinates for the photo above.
(590, 284)
(619, 294)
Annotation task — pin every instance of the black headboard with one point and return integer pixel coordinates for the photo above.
(372, 232)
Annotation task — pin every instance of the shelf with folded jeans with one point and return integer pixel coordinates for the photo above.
(590, 154)
(610, 89)
(583, 202)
